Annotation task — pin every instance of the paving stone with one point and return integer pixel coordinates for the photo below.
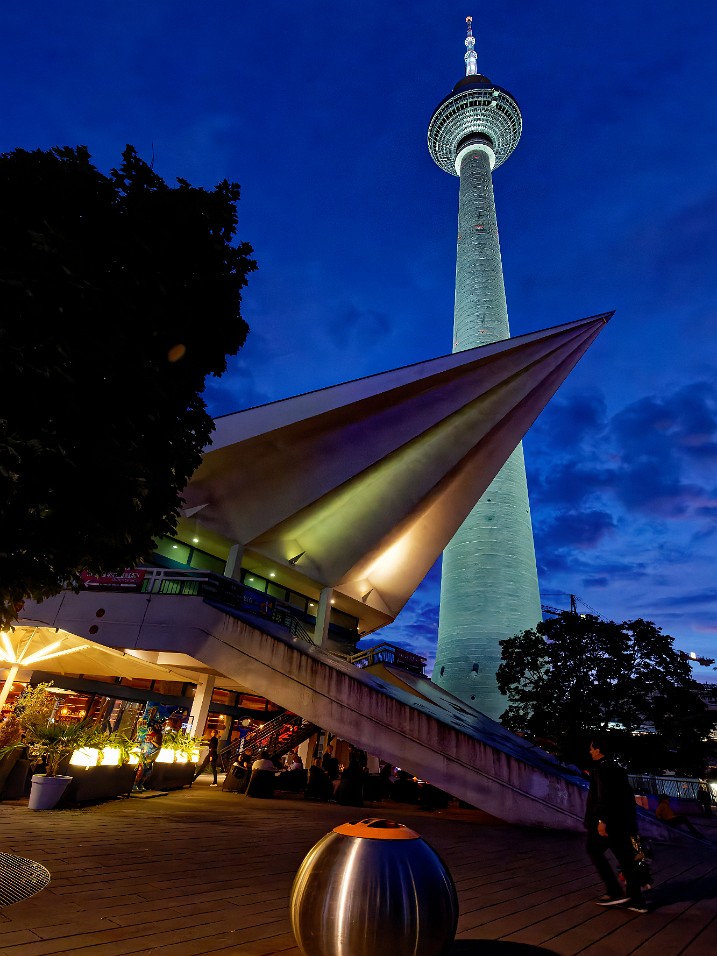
(202, 871)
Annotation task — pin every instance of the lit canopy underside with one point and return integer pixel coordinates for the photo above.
(62, 653)
(368, 481)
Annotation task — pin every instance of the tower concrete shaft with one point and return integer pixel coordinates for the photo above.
(489, 584)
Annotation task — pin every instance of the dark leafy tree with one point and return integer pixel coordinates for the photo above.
(119, 295)
(574, 674)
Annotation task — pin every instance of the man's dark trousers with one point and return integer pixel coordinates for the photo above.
(624, 851)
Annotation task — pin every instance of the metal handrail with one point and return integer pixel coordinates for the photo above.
(277, 736)
(685, 788)
(211, 586)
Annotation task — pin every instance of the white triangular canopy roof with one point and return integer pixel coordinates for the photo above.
(367, 481)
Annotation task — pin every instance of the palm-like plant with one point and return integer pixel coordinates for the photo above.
(55, 741)
(45, 738)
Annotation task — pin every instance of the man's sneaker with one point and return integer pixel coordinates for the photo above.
(213, 785)
(612, 900)
(640, 907)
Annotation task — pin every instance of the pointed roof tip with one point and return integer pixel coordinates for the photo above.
(471, 56)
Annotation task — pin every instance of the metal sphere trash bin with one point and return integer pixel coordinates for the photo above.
(373, 887)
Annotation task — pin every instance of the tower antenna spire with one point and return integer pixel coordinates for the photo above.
(471, 56)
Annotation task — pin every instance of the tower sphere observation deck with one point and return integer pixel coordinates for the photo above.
(475, 113)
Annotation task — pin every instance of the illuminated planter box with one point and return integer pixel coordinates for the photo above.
(92, 782)
(97, 775)
(171, 776)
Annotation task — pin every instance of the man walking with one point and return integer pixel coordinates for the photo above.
(611, 822)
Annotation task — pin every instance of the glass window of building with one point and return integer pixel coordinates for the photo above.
(254, 581)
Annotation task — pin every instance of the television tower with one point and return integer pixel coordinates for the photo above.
(489, 584)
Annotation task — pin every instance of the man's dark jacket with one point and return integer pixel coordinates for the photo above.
(610, 799)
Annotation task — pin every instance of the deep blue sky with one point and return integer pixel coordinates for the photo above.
(320, 111)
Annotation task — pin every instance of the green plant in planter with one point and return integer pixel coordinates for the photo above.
(47, 739)
(56, 741)
(119, 741)
(180, 742)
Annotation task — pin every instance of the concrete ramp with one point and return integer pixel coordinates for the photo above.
(401, 717)
(439, 739)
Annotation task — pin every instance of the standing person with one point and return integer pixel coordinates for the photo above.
(319, 785)
(611, 822)
(704, 800)
(349, 792)
(214, 754)
(330, 763)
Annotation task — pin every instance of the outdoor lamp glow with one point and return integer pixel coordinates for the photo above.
(85, 757)
(110, 756)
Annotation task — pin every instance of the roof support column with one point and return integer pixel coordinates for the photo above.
(323, 615)
(200, 707)
(232, 569)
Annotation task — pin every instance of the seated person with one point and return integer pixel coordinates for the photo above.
(237, 780)
(293, 761)
(668, 816)
(293, 776)
(430, 798)
(264, 762)
(261, 782)
(319, 786)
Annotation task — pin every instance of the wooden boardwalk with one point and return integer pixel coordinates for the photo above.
(202, 871)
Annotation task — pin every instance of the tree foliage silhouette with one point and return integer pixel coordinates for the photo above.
(119, 295)
(574, 674)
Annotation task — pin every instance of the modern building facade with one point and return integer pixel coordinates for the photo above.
(489, 585)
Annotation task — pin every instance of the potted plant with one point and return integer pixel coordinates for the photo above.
(52, 744)
(101, 769)
(47, 740)
(175, 766)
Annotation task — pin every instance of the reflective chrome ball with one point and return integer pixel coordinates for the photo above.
(373, 887)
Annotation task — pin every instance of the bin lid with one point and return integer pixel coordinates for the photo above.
(376, 828)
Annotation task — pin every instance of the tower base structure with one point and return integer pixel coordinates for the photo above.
(489, 590)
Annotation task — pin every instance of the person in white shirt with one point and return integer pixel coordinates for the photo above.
(263, 762)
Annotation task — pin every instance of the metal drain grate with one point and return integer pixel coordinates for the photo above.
(20, 878)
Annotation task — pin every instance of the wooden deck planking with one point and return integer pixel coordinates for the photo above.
(201, 871)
